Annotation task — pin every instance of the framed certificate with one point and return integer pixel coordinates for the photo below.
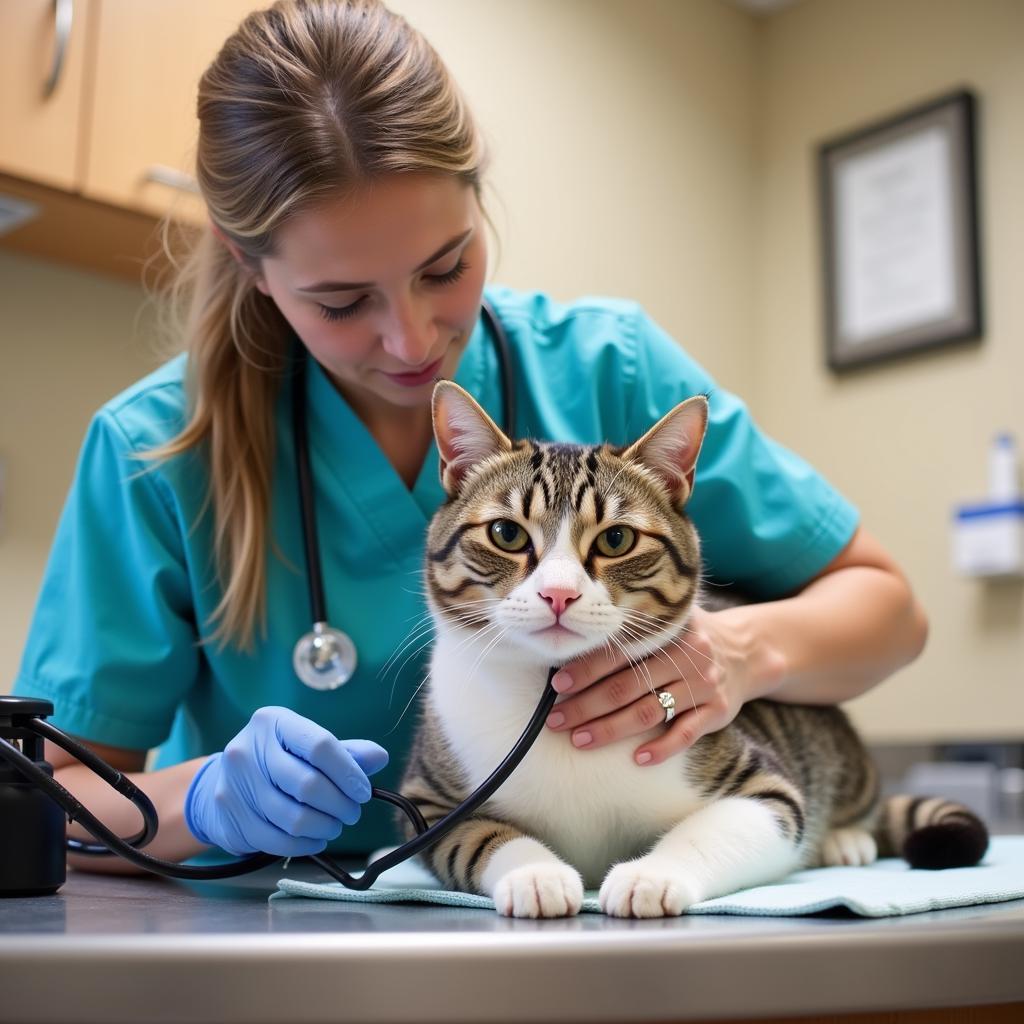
(900, 234)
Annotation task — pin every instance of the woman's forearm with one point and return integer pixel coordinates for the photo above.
(166, 788)
(845, 632)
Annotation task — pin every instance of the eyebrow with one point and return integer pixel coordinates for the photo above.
(345, 286)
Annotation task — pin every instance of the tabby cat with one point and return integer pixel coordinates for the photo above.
(545, 551)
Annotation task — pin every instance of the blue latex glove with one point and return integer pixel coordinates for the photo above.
(283, 785)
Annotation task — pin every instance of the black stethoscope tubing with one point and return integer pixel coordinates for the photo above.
(130, 848)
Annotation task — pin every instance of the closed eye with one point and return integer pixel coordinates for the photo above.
(343, 312)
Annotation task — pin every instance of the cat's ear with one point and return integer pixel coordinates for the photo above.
(465, 434)
(670, 448)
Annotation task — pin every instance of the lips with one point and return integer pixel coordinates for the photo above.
(557, 629)
(412, 380)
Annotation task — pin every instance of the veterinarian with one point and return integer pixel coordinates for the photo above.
(342, 173)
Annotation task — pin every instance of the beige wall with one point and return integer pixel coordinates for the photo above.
(906, 441)
(662, 150)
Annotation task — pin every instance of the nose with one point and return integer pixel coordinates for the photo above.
(410, 334)
(559, 596)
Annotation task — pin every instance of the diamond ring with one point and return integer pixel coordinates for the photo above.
(668, 702)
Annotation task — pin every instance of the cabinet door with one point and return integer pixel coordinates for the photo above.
(42, 42)
(142, 127)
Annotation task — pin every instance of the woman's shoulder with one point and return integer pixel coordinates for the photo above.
(548, 316)
(151, 411)
(585, 368)
(596, 331)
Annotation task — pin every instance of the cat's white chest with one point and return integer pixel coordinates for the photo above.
(594, 808)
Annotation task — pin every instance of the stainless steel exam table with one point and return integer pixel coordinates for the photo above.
(115, 948)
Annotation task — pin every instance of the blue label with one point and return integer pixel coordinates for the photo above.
(1015, 509)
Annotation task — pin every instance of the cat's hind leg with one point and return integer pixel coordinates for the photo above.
(728, 845)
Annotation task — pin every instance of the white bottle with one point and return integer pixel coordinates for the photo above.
(1003, 471)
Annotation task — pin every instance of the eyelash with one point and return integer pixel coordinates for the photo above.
(344, 312)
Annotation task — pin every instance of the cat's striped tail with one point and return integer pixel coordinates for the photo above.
(930, 832)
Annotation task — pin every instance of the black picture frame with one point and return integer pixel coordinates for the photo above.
(899, 215)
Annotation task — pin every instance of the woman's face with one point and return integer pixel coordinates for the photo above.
(383, 285)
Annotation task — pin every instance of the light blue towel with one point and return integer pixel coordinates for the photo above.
(887, 888)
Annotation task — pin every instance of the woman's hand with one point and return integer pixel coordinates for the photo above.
(283, 785)
(707, 668)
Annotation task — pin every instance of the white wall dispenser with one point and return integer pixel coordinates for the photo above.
(988, 536)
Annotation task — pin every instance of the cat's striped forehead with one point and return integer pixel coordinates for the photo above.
(544, 482)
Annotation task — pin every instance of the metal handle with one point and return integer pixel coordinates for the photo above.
(172, 178)
(63, 15)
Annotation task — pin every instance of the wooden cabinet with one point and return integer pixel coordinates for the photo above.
(141, 124)
(41, 42)
(111, 148)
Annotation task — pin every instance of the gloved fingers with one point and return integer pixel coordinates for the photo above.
(370, 756)
(324, 751)
(309, 787)
(265, 837)
(297, 819)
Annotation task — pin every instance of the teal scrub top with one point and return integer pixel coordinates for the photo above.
(116, 642)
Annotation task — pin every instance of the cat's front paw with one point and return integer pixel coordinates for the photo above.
(539, 890)
(648, 887)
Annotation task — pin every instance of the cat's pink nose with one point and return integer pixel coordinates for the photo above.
(559, 597)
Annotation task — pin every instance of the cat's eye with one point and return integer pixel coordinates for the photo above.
(615, 541)
(509, 536)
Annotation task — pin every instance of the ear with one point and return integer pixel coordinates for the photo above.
(670, 448)
(465, 434)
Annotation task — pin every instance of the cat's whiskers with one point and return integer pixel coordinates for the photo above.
(468, 639)
(681, 677)
(480, 657)
(415, 634)
(677, 641)
(637, 638)
(427, 625)
(424, 632)
(634, 665)
(709, 581)
(408, 705)
(683, 646)
(476, 636)
(462, 643)
(611, 483)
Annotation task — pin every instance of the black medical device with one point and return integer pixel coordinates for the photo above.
(34, 806)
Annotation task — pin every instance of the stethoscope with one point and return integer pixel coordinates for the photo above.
(325, 658)
(33, 817)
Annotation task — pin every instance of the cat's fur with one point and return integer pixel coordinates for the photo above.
(783, 786)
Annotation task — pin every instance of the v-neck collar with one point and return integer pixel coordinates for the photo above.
(342, 446)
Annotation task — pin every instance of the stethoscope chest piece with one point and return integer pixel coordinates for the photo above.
(324, 658)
